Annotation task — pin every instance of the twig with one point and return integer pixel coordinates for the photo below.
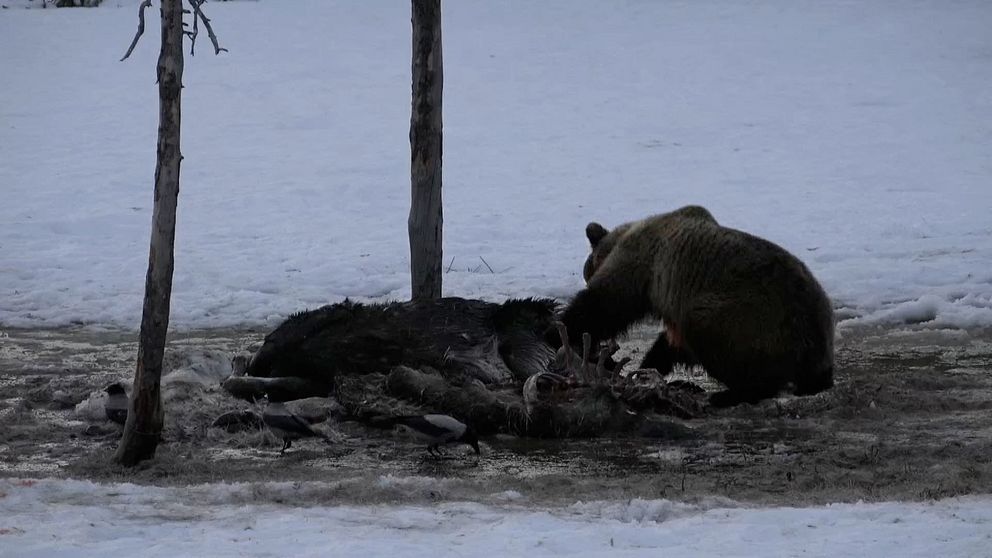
(141, 28)
(192, 34)
(450, 264)
(487, 264)
(206, 23)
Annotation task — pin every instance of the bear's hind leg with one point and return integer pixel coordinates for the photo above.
(752, 382)
(721, 333)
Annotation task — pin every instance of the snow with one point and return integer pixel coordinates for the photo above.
(77, 518)
(857, 135)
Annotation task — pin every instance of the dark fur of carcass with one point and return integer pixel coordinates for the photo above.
(467, 358)
(494, 343)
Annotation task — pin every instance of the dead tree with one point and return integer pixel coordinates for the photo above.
(145, 417)
(425, 220)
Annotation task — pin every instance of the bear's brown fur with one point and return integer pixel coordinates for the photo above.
(743, 308)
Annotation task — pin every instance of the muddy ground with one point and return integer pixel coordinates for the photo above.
(909, 419)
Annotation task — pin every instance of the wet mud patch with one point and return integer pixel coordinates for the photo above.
(908, 419)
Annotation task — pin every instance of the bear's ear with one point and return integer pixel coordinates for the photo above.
(595, 233)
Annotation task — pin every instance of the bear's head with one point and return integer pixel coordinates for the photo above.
(602, 241)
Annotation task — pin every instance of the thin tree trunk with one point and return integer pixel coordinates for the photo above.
(144, 421)
(425, 219)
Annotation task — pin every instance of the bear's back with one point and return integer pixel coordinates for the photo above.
(698, 260)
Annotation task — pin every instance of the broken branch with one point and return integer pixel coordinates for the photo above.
(192, 34)
(487, 264)
(141, 28)
(198, 14)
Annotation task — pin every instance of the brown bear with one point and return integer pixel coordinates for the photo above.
(743, 308)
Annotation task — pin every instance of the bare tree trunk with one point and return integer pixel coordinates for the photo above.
(144, 421)
(425, 219)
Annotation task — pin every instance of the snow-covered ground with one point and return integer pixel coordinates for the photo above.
(73, 518)
(856, 134)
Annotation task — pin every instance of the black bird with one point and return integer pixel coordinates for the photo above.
(287, 426)
(439, 429)
(117, 403)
